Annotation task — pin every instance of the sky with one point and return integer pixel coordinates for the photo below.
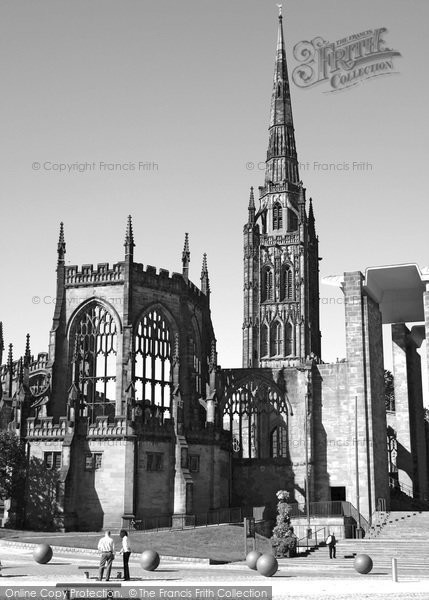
(181, 90)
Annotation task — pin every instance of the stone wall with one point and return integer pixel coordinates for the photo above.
(334, 437)
(256, 481)
(42, 509)
(154, 488)
(366, 391)
(99, 499)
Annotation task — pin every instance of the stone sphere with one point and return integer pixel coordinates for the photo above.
(252, 559)
(42, 554)
(363, 564)
(267, 565)
(149, 560)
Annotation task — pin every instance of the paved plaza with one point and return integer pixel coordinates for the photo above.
(21, 574)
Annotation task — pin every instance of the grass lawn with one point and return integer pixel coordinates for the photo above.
(222, 543)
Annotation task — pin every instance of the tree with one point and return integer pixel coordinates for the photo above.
(389, 390)
(12, 465)
(283, 540)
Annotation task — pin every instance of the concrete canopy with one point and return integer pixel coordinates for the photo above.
(398, 289)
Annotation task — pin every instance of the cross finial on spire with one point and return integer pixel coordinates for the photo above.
(280, 6)
(1, 339)
(129, 237)
(186, 258)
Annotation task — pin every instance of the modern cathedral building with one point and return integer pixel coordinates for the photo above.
(129, 416)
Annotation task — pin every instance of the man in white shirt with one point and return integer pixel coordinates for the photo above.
(107, 548)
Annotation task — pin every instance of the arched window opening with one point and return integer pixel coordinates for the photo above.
(247, 414)
(152, 359)
(288, 339)
(278, 442)
(292, 219)
(196, 365)
(94, 344)
(277, 216)
(264, 221)
(276, 339)
(286, 283)
(267, 288)
(264, 340)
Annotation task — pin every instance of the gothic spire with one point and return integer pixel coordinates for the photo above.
(10, 368)
(129, 238)
(27, 355)
(186, 258)
(10, 358)
(1, 340)
(61, 244)
(310, 211)
(20, 371)
(251, 207)
(205, 283)
(311, 219)
(282, 162)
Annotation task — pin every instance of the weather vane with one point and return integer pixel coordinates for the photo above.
(280, 9)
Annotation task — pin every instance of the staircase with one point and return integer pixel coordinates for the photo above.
(403, 535)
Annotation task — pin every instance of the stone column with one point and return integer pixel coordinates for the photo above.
(403, 432)
(426, 311)
(409, 425)
(368, 450)
(130, 475)
(183, 484)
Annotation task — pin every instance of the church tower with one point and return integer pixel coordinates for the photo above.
(281, 281)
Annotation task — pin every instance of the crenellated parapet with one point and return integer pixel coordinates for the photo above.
(103, 427)
(87, 275)
(46, 428)
(40, 363)
(285, 186)
(161, 279)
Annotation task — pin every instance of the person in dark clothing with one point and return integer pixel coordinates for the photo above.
(126, 552)
(331, 542)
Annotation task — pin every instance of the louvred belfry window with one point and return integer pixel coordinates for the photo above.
(95, 343)
(286, 283)
(277, 216)
(276, 339)
(264, 341)
(267, 287)
(153, 364)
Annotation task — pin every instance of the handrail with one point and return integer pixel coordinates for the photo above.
(337, 508)
(353, 512)
(406, 489)
(315, 532)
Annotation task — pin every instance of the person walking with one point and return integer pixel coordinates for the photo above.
(331, 542)
(106, 546)
(126, 552)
